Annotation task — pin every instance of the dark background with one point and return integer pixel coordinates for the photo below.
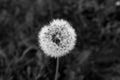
(96, 55)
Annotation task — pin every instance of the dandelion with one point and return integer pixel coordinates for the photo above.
(118, 3)
(57, 39)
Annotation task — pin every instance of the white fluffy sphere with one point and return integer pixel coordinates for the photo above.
(57, 39)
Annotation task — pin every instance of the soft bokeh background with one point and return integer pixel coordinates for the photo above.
(96, 55)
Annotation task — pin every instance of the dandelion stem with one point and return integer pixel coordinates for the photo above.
(57, 68)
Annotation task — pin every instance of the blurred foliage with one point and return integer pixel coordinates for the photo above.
(96, 54)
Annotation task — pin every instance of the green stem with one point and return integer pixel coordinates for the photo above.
(57, 68)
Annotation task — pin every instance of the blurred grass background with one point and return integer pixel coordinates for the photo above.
(96, 55)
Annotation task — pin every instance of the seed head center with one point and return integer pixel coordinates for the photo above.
(56, 38)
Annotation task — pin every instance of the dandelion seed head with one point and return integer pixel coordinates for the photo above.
(57, 39)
